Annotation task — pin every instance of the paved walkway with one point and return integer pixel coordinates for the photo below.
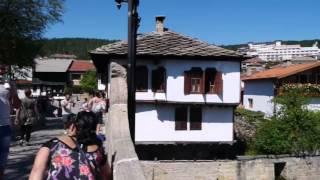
(21, 157)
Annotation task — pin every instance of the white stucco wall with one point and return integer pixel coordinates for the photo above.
(262, 93)
(314, 103)
(175, 81)
(155, 123)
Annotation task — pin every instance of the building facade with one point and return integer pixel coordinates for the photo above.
(186, 89)
(280, 52)
(261, 88)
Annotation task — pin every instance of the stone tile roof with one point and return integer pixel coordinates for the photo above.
(167, 43)
(52, 65)
(282, 71)
(81, 66)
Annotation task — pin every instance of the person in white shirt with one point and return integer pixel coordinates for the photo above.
(85, 105)
(8, 99)
(66, 106)
(97, 105)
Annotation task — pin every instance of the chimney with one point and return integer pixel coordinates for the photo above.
(159, 24)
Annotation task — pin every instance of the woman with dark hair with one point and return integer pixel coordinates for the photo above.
(77, 155)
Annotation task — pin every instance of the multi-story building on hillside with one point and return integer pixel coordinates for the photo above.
(278, 51)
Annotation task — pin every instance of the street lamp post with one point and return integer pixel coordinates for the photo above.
(133, 23)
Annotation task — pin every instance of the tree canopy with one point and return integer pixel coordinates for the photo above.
(89, 81)
(292, 130)
(23, 22)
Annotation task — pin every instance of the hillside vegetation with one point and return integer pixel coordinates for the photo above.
(76, 46)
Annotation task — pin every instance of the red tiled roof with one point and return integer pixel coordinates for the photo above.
(23, 81)
(254, 60)
(281, 72)
(81, 66)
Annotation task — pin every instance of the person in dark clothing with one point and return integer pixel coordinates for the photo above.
(26, 116)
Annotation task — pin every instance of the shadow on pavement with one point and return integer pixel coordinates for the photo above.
(21, 157)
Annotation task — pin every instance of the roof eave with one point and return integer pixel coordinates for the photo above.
(228, 58)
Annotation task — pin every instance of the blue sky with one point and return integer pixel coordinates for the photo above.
(214, 21)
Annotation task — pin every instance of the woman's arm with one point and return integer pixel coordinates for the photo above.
(40, 164)
(106, 172)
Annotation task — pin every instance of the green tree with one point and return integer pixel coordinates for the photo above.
(22, 22)
(89, 81)
(293, 129)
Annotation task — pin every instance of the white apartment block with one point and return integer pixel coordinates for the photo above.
(279, 52)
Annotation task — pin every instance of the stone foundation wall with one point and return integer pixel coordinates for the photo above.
(246, 168)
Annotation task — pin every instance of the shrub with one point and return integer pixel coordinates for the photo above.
(293, 129)
(89, 81)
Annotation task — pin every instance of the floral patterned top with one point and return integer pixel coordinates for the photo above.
(68, 163)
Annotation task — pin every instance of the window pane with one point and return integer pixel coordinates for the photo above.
(210, 80)
(76, 76)
(195, 85)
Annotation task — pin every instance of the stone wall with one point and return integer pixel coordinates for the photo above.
(245, 168)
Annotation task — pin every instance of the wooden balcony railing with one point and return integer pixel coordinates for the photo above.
(310, 90)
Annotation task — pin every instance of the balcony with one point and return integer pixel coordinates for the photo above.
(309, 90)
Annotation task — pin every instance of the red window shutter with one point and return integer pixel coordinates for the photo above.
(187, 83)
(218, 83)
(181, 118)
(195, 118)
(154, 80)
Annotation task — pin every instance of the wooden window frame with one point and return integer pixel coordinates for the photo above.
(194, 73)
(210, 75)
(195, 85)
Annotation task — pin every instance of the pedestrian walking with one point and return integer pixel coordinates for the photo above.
(27, 115)
(97, 105)
(8, 100)
(77, 155)
(66, 106)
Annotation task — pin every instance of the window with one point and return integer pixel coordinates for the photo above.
(141, 78)
(193, 81)
(197, 82)
(181, 118)
(210, 80)
(195, 118)
(250, 102)
(75, 76)
(159, 80)
(195, 85)
(303, 78)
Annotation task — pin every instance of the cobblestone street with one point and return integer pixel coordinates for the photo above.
(21, 157)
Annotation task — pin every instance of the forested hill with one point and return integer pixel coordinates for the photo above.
(76, 46)
(303, 43)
